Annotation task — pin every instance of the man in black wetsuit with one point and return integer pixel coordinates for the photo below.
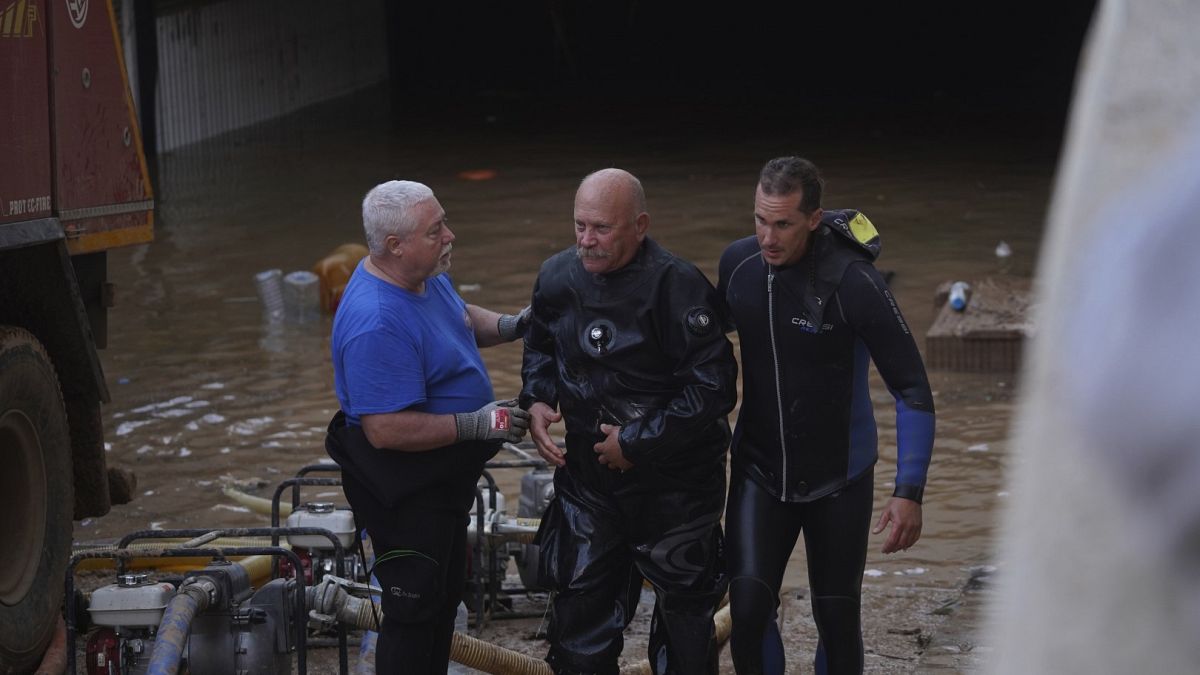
(626, 342)
(811, 312)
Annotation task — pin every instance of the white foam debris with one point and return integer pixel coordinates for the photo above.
(204, 483)
(1002, 493)
(124, 428)
(192, 426)
(184, 452)
(272, 444)
(157, 524)
(213, 418)
(143, 450)
(178, 400)
(873, 573)
(213, 385)
(198, 404)
(227, 507)
(328, 494)
(170, 413)
(251, 426)
(148, 493)
(226, 451)
(107, 446)
(978, 447)
(915, 570)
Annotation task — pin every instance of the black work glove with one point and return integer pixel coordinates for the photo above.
(496, 421)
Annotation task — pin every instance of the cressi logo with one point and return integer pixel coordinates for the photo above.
(78, 10)
(18, 18)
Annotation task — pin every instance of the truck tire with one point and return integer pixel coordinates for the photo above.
(36, 499)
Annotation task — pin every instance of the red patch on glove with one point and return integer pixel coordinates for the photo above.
(500, 419)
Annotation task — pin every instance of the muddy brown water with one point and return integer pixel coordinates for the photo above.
(204, 392)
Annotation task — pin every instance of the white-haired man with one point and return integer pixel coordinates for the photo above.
(417, 419)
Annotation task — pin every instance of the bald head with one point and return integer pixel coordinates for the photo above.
(617, 186)
(610, 220)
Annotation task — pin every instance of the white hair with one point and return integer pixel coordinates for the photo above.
(387, 210)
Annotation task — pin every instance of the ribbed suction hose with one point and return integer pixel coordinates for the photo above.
(191, 599)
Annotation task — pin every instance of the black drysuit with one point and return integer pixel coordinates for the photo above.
(643, 348)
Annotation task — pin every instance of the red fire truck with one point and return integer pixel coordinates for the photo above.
(73, 184)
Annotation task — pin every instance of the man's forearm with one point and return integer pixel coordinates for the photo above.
(410, 431)
(485, 323)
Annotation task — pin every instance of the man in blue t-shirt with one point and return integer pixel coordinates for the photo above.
(417, 420)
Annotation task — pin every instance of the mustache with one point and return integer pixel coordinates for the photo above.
(591, 252)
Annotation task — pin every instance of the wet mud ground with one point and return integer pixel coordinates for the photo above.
(205, 393)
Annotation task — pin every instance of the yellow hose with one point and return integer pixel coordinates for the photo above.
(490, 658)
(259, 505)
(258, 566)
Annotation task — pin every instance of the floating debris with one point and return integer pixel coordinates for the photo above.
(124, 428)
(978, 447)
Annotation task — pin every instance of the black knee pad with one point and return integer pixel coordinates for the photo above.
(412, 587)
(752, 603)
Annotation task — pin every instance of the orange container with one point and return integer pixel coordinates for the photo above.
(334, 272)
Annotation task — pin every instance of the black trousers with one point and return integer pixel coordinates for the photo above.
(420, 563)
(762, 534)
(597, 547)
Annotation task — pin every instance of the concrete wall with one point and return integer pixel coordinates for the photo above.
(227, 65)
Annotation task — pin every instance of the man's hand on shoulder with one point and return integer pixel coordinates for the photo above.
(498, 420)
(905, 518)
(609, 449)
(513, 326)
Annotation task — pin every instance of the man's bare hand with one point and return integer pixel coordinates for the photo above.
(610, 449)
(541, 417)
(905, 517)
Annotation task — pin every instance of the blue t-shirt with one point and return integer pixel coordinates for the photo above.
(397, 350)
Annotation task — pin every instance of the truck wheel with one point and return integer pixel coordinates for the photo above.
(36, 499)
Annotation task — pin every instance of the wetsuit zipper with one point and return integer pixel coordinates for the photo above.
(778, 384)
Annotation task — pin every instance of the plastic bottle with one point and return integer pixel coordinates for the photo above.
(960, 292)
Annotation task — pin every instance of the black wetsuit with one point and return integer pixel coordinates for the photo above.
(641, 347)
(806, 441)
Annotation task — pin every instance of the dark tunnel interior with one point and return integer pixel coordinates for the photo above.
(1005, 62)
